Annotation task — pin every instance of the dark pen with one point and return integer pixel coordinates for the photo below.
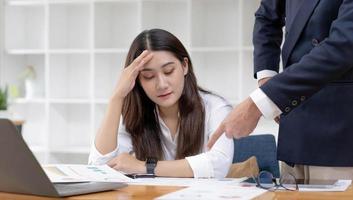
(140, 175)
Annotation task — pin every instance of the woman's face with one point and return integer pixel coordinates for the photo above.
(162, 78)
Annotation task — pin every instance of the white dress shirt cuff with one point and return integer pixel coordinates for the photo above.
(200, 168)
(96, 158)
(268, 109)
(265, 74)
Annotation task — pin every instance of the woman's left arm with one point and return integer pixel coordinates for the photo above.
(214, 163)
(172, 168)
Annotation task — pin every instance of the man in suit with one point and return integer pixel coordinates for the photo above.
(313, 95)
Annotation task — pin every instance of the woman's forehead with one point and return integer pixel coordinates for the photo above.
(159, 60)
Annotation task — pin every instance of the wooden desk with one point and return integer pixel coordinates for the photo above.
(151, 192)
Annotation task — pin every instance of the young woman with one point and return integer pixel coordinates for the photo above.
(166, 118)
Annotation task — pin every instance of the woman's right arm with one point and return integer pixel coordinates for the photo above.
(106, 138)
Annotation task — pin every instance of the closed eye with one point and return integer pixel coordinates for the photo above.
(147, 76)
(168, 71)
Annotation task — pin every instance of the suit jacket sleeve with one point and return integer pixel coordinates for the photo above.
(267, 35)
(327, 62)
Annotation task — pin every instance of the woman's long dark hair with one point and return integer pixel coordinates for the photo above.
(139, 112)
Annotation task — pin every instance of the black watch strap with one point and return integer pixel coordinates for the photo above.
(151, 163)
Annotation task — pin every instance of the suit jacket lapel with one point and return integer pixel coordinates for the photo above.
(301, 18)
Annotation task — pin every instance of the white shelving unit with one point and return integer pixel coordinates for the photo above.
(78, 49)
(27, 33)
(69, 26)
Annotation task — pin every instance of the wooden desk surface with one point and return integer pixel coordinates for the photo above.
(151, 192)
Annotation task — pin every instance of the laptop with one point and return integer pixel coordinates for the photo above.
(20, 172)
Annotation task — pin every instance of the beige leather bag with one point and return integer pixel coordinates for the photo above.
(248, 168)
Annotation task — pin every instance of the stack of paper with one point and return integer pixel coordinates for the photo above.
(62, 173)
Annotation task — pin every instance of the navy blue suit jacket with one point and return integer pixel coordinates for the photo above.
(315, 89)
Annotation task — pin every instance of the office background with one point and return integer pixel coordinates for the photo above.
(61, 59)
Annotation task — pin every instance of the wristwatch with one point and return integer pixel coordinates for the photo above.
(151, 163)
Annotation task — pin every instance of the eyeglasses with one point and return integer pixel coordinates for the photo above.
(267, 181)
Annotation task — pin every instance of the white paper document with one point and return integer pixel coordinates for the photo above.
(215, 191)
(161, 181)
(339, 186)
(319, 186)
(62, 173)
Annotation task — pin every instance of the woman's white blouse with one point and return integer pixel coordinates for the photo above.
(214, 163)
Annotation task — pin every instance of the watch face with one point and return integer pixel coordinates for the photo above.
(151, 163)
(151, 160)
